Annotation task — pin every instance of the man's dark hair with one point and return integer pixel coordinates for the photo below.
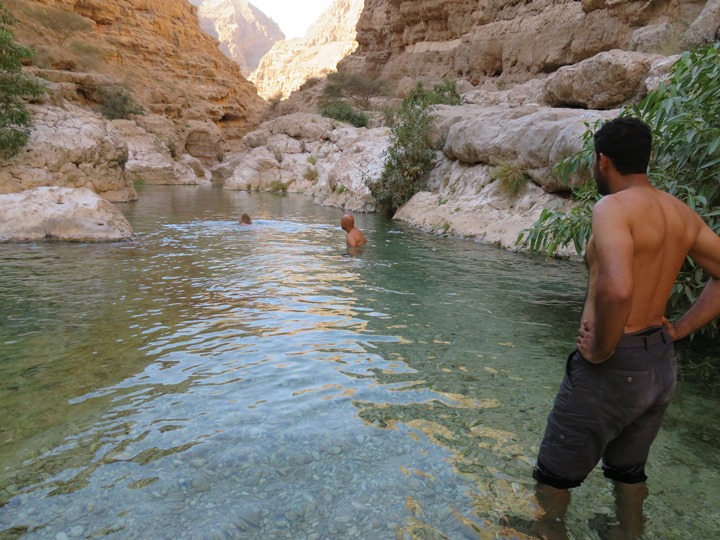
(627, 142)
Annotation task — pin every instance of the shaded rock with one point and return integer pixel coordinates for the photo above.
(706, 28)
(466, 201)
(203, 140)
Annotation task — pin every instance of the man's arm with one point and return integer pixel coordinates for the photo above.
(612, 286)
(706, 253)
(352, 240)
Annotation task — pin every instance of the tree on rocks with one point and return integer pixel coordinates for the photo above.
(15, 120)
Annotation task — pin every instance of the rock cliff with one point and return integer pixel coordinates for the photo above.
(513, 41)
(245, 33)
(290, 63)
(157, 50)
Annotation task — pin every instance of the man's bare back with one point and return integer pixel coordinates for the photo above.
(660, 231)
(641, 239)
(355, 237)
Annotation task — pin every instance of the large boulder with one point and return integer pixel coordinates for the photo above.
(70, 147)
(466, 200)
(58, 213)
(530, 138)
(706, 28)
(605, 81)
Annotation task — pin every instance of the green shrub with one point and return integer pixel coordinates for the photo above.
(277, 186)
(310, 174)
(275, 100)
(312, 160)
(443, 93)
(15, 120)
(684, 116)
(344, 112)
(116, 102)
(352, 87)
(410, 154)
(512, 179)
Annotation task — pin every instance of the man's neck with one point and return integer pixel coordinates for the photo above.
(631, 181)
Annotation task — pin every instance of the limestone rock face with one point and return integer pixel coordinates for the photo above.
(706, 27)
(530, 138)
(290, 63)
(514, 41)
(245, 33)
(306, 153)
(604, 81)
(57, 213)
(150, 161)
(70, 147)
(467, 202)
(158, 51)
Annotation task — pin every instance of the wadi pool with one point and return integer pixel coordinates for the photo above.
(211, 380)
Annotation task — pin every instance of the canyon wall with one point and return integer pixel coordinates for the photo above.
(245, 33)
(157, 50)
(290, 63)
(512, 41)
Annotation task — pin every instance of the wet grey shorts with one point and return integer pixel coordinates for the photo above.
(610, 411)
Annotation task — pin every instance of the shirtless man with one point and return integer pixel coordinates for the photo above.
(619, 381)
(355, 237)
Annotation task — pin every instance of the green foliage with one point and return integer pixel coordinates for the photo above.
(311, 174)
(443, 93)
(410, 154)
(60, 24)
(344, 112)
(352, 87)
(555, 229)
(15, 120)
(278, 186)
(512, 179)
(116, 102)
(312, 160)
(684, 116)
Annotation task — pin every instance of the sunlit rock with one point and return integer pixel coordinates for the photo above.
(150, 161)
(58, 213)
(70, 147)
(606, 80)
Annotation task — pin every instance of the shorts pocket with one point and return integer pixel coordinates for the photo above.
(568, 380)
(565, 434)
(631, 388)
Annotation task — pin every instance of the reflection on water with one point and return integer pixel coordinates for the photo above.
(209, 380)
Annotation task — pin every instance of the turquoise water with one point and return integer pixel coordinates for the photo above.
(209, 380)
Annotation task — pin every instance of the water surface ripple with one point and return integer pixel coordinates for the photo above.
(209, 380)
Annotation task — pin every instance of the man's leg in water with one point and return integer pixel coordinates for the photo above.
(629, 499)
(554, 503)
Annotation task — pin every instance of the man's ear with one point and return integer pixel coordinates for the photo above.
(604, 162)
